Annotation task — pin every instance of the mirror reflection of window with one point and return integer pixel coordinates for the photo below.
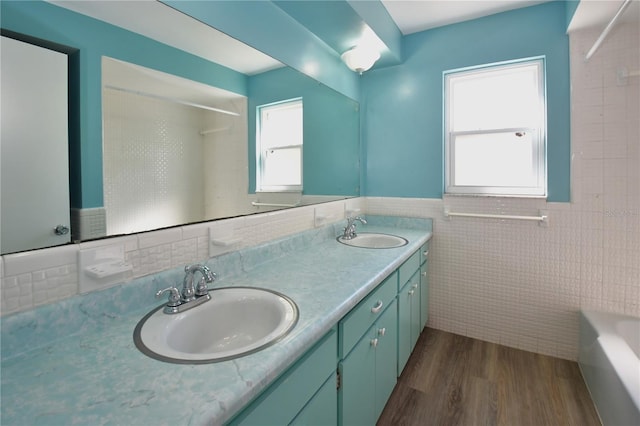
(279, 146)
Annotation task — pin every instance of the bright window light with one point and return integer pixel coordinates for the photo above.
(279, 146)
(495, 130)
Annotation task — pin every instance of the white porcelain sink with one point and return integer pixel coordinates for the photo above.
(235, 322)
(374, 240)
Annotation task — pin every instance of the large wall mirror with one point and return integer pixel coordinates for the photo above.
(175, 150)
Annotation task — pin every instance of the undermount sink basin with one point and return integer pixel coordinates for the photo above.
(235, 322)
(374, 240)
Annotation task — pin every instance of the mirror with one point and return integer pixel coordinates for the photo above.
(331, 150)
(176, 151)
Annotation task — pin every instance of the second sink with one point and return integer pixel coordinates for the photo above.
(374, 240)
(235, 322)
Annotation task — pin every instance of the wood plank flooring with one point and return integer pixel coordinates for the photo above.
(456, 380)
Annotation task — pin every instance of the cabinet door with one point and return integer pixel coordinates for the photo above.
(356, 399)
(424, 294)
(322, 410)
(408, 320)
(386, 329)
(414, 298)
(404, 327)
(281, 402)
(34, 178)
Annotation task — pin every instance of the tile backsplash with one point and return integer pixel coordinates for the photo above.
(39, 277)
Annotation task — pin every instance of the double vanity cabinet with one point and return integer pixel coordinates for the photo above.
(348, 376)
(361, 311)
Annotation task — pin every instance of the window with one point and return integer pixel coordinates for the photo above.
(495, 130)
(279, 147)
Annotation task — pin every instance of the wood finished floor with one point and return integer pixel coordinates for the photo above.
(456, 380)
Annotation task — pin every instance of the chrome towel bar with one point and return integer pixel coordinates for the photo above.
(542, 218)
(257, 204)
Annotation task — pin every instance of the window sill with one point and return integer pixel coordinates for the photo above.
(538, 197)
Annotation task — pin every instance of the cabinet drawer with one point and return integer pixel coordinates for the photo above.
(284, 399)
(408, 268)
(424, 252)
(356, 322)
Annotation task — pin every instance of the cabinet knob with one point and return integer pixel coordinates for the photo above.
(61, 230)
(424, 274)
(413, 289)
(425, 253)
(382, 331)
(377, 307)
(374, 342)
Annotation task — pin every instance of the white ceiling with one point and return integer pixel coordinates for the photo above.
(597, 13)
(151, 18)
(418, 15)
(123, 76)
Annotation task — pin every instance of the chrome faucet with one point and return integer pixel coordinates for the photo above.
(191, 292)
(350, 230)
(191, 296)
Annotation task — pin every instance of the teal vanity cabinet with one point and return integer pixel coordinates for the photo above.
(304, 394)
(368, 351)
(409, 298)
(424, 285)
(371, 347)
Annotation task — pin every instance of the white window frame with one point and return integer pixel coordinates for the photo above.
(262, 152)
(539, 189)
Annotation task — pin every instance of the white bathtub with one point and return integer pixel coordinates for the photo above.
(610, 363)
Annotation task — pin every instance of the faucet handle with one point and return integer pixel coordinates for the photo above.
(174, 296)
(201, 287)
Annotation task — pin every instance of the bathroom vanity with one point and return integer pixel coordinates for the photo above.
(360, 313)
(373, 342)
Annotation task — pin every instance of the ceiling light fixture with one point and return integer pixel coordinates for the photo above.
(360, 59)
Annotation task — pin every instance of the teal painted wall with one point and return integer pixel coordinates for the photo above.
(331, 150)
(92, 39)
(572, 6)
(402, 105)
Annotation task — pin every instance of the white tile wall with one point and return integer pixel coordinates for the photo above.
(35, 278)
(225, 152)
(154, 163)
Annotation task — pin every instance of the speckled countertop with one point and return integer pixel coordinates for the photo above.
(75, 362)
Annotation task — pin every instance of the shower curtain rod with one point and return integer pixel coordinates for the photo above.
(607, 29)
(174, 100)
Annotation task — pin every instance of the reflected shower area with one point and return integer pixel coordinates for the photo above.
(174, 151)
